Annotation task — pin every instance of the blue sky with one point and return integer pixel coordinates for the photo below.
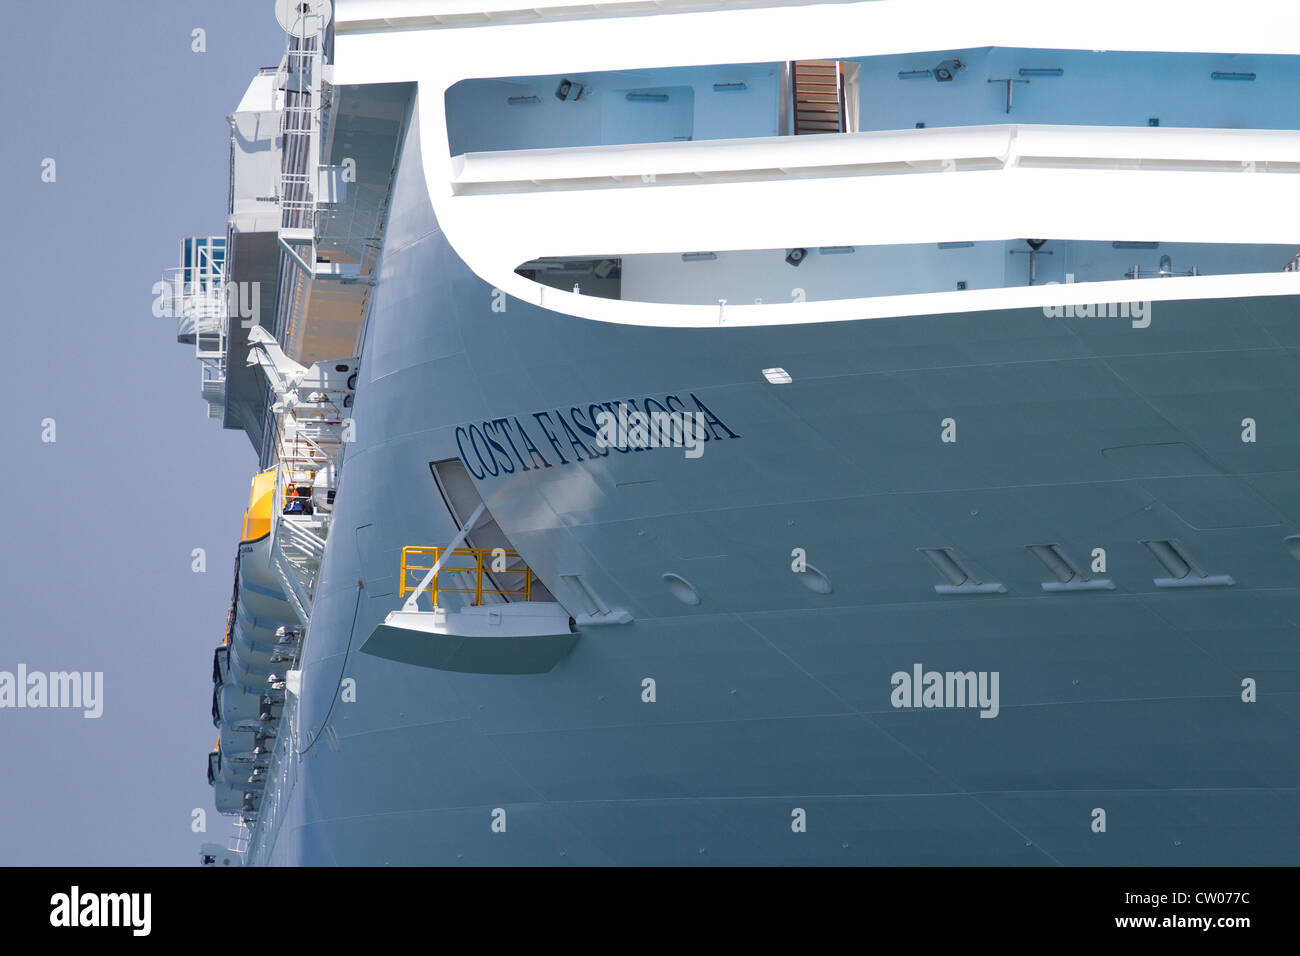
(95, 572)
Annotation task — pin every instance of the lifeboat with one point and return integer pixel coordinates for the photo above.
(262, 633)
(261, 593)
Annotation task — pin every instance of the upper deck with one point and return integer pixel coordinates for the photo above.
(639, 134)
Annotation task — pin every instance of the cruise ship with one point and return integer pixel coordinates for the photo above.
(745, 432)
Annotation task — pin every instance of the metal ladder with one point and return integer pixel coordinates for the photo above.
(299, 84)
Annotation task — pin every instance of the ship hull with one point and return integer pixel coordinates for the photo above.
(776, 732)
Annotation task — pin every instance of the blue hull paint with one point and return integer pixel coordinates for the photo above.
(771, 697)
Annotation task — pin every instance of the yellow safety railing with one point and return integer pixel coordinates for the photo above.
(494, 562)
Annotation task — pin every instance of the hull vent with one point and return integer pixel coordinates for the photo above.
(1068, 575)
(960, 579)
(1181, 570)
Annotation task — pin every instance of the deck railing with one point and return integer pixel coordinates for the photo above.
(472, 561)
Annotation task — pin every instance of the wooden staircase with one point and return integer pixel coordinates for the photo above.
(818, 93)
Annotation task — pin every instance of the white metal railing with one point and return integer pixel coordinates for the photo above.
(940, 149)
(239, 839)
(197, 298)
(297, 547)
(212, 385)
(196, 305)
(315, 432)
(298, 81)
(282, 775)
(456, 13)
(306, 444)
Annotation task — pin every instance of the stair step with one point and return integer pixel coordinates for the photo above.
(816, 88)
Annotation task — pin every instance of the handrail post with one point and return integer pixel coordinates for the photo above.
(433, 584)
(478, 576)
(839, 92)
